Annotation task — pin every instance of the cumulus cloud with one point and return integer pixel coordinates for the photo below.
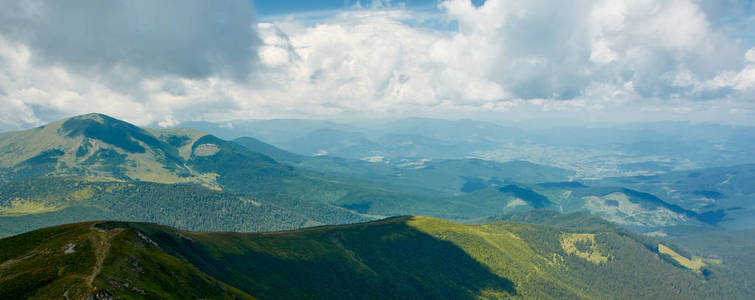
(63, 58)
(750, 55)
(541, 52)
(592, 53)
(368, 60)
(194, 39)
(618, 60)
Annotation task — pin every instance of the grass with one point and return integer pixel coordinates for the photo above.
(591, 253)
(37, 265)
(20, 207)
(400, 257)
(85, 193)
(48, 201)
(695, 264)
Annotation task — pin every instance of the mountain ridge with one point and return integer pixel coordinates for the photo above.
(400, 256)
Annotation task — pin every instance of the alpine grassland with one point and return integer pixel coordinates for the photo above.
(402, 257)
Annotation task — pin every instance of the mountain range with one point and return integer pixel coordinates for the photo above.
(77, 163)
(210, 194)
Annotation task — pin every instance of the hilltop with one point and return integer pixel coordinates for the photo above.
(404, 257)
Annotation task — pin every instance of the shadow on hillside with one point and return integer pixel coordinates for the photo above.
(385, 260)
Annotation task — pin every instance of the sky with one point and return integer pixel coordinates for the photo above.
(161, 63)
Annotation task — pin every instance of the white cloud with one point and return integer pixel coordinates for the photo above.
(369, 61)
(194, 39)
(745, 79)
(750, 55)
(591, 52)
(617, 60)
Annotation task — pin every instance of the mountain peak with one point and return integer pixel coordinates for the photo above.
(91, 116)
(92, 144)
(118, 133)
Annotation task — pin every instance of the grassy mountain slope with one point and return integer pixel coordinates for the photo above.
(734, 250)
(93, 145)
(47, 201)
(399, 257)
(80, 260)
(728, 254)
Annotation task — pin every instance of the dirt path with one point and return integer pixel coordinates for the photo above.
(101, 245)
(101, 241)
(13, 261)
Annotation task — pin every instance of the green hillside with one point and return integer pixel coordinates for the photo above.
(47, 201)
(82, 261)
(728, 254)
(93, 145)
(402, 257)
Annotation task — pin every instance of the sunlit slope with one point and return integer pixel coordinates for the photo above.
(726, 257)
(402, 257)
(96, 145)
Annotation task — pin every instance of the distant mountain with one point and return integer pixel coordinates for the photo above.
(403, 257)
(518, 186)
(469, 175)
(95, 167)
(448, 176)
(609, 151)
(99, 146)
(273, 131)
(128, 173)
(409, 138)
(579, 221)
(276, 153)
(75, 170)
(726, 191)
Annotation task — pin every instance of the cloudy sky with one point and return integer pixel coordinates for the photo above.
(160, 63)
